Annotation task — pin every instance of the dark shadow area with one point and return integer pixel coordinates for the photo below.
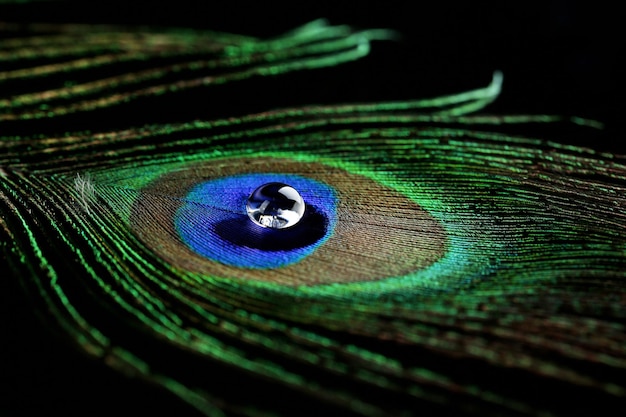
(241, 231)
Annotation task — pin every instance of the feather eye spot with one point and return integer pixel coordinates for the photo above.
(201, 224)
(212, 223)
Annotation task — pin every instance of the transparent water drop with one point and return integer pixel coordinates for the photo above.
(275, 205)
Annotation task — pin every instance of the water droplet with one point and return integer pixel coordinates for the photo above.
(275, 205)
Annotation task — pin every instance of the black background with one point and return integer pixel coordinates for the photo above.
(557, 57)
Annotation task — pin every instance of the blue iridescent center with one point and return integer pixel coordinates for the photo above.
(213, 222)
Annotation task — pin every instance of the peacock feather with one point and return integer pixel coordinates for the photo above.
(448, 262)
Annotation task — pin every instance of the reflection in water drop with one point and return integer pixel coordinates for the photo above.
(275, 205)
